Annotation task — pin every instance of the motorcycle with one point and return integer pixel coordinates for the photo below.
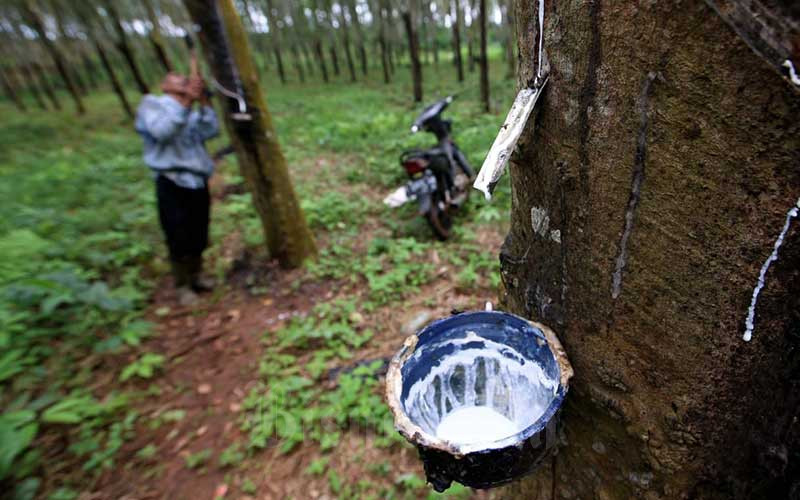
(439, 177)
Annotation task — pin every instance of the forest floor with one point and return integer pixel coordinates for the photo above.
(271, 386)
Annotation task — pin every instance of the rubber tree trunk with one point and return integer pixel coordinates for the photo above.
(32, 16)
(260, 157)
(471, 37)
(345, 29)
(125, 48)
(45, 83)
(362, 44)
(511, 42)
(89, 69)
(277, 41)
(32, 84)
(11, 91)
(156, 40)
(112, 77)
(387, 75)
(457, 59)
(71, 51)
(484, 58)
(648, 193)
(410, 18)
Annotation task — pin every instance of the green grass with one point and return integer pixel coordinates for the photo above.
(81, 252)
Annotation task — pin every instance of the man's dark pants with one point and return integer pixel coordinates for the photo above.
(184, 216)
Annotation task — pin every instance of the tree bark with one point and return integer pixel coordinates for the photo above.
(112, 77)
(45, 83)
(410, 19)
(387, 77)
(277, 41)
(471, 37)
(511, 58)
(34, 19)
(124, 47)
(647, 193)
(351, 68)
(457, 40)
(33, 84)
(10, 91)
(484, 59)
(362, 50)
(71, 51)
(259, 154)
(156, 40)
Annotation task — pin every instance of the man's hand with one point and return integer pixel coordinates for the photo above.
(197, 90)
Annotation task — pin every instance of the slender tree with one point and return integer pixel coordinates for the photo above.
(10, 91)
(124, 46)
(41, 76)
(156, 40)
(71, 50)
(382, 41)
(32, 55)
(484, 58)
(345, 31)
(88, 18)
(275, 31)
(316, 34)
(511, 43)
(260, 157)
(33, 17)
(12, 53)
(362, 43)
(471, 36)
(410, 20)
(295, 41)
(457, 59)
(330, 30)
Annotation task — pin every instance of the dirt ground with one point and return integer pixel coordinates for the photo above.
(213, 352)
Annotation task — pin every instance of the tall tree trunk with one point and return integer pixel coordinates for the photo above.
(457, 40)
(484, 58)
(260, 157)
(387, 77)
(298, 63)
(10, 91)
(648, 192)
(71, 52)
(351, 68)
(471, 37)
(156, 40)
(124, 47)
(511, 40)
(32, 16)
(321, 60)
(89, 69)
(45, 83)
(32, 84)
(362, 49)
(334, 59)
(112, 77)
(277, 41)
(410, 18)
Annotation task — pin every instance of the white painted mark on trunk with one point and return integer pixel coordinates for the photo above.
(792, 73)
(751, 311)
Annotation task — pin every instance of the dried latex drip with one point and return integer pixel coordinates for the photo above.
(511, 130)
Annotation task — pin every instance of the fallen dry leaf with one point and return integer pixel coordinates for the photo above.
(204, 389)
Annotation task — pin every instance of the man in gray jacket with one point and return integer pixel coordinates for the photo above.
(174, 137)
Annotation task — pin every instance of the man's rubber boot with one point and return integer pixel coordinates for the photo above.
(181, 272)
(197, 281)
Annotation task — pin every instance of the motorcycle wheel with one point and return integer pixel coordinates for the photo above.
(440, 221)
